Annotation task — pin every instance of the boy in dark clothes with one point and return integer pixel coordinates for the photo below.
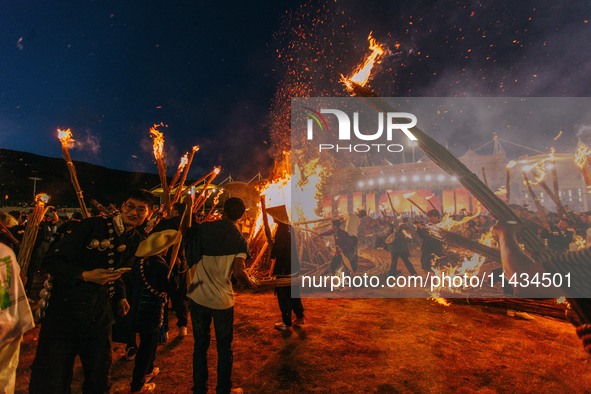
(150, 287)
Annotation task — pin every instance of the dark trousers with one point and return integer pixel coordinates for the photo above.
(223, 324)
(144, 359)
(180, 305)
(53, 366)
(289, 301)
(407, 263)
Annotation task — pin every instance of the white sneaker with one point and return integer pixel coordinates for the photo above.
(182, 331)
(281, 326)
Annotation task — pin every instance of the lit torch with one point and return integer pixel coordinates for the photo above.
(203, 196)
(65, 137)
(158, 147)
(540, 174)
(362, 74)
(428, 198)
(582, 158)
(407, 196)
(31, 231)
(182, 164)
(177, 196)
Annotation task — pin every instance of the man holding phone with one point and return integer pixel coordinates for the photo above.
(86, 268)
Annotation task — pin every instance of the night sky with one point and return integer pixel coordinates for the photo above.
(220, 74)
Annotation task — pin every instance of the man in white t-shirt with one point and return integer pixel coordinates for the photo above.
(15, 317)
(216, 251)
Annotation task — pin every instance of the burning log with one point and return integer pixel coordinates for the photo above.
(30, 235)
(158, 148)
(65, 137)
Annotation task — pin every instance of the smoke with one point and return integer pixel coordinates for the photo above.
(87, 142)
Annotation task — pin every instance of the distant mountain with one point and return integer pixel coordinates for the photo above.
(103, 184)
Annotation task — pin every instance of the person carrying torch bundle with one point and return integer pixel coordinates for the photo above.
(86, 267)
(431, 249)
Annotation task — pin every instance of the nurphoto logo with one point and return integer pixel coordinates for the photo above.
(388, 122)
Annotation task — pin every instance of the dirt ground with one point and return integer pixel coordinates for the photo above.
(374, 346)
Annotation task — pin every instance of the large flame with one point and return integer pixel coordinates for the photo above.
(447, 223)
(65, 137)
(158, 137)
(299, 192)
(363, 73)
(582, 155)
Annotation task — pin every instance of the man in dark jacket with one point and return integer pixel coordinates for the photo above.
(346, 245)
(431, 248)
(398, 244)
(85, 269)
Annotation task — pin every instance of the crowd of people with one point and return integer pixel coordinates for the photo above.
(113, 276)
(109, 280)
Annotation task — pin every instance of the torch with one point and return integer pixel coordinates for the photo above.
(582, 158)
(391, 204)
(202, 196)
(177, 174)
(554, 172)
(158, 148)
(539, 207)
(407, 196)
(30, 235)
(510, 165)
(428, 198)
(177, 196)
(65, 137)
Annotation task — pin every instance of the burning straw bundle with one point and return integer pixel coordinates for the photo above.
(30, 236)
(497, 207)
